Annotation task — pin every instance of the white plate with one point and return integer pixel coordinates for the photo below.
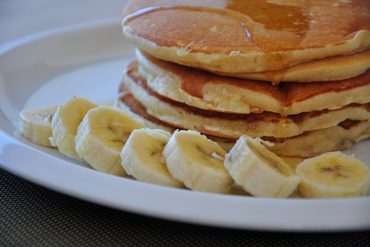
(88, 61)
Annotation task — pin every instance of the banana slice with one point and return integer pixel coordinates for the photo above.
(142, 157)
(197, 162)
(333, 174)
(101, 136)
(259, 171)
(65, 123)
(35, 125)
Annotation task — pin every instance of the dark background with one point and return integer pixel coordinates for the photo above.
(34, 216)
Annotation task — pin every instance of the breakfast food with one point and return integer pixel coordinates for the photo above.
(65, 122)
(115, 142)
(197, 162)
(301, 135)
(220, 90)
(316, 142)
(237, 36)
(327, 69)
(259, 171)
(307, 78)
(211, 92)
(234, 125)
(142, 157)
(101, 136)
(333, 175)
(34, 124)
(308, 144)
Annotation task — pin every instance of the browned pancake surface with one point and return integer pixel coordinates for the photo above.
(193, 81)
(136, 107)
(263, 116)
(267, 25)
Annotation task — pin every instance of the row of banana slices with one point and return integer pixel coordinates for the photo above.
(109, 140)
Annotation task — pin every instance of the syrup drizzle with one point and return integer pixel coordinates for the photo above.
(265, 14)
(274, 16)
(271, 26)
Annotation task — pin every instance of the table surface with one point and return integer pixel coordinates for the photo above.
(31, 215)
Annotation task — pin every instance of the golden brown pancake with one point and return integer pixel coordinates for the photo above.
(238, 36)
(234, 125)
(313, 143)
(307, 144)
(208, 91)
(328, 69)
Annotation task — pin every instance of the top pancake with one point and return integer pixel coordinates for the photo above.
(238, 36)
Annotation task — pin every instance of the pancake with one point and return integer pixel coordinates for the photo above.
(238, 36)
(234, 125)
(308, 144)
(207, 91)
(136, 110)
(326, 140)
(328, 69)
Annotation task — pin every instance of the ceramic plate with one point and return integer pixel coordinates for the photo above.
(88, 61)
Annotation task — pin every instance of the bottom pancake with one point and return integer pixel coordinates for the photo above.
(308, 144)
(313, 143)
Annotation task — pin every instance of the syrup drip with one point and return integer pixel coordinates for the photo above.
(272, 15)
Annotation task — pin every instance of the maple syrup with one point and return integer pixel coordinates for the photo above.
(271, 26)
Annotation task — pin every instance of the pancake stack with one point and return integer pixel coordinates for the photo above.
(294, 73)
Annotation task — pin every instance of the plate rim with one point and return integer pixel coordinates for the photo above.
(7, 140)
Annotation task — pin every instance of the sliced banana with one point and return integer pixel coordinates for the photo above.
(197, 162)
(101, 136)
(65, 123)
(333, 174)
(35, 124)
(142, 157)
(259, 171)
